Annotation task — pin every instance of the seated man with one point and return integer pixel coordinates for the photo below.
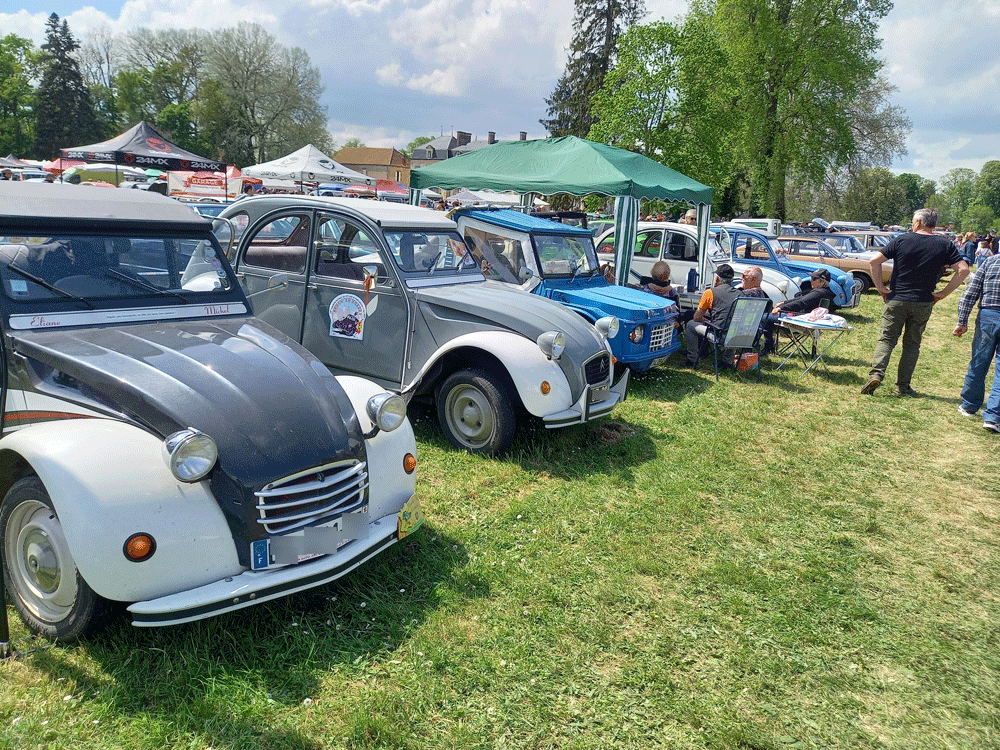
(713, 308)
(752, 277)
(821, 295)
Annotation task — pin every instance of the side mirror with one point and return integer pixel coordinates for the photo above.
(278, 281)
(524, 273)
(371, 272)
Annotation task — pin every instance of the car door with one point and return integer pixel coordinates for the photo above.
(279, 246)
(350, 325)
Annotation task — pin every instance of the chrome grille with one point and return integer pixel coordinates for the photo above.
(312, 497)
(598, 369)
(661, 336)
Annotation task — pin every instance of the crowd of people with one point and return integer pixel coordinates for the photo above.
(919, 257)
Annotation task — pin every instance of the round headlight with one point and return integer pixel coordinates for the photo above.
(608, 326)
(190, 454)
(637, 334)
(552, 344)
(387, 410)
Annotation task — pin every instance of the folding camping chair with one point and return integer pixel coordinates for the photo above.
(741, 330)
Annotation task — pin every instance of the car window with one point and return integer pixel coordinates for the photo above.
(344, 249)
(647, 244)
(430, 251)
(680, 246)
(504, 256)
(564, 256)
(280, 245)
(109, 267)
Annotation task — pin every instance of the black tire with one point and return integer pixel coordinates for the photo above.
(476, 412)
(38, 569)
(866, 283)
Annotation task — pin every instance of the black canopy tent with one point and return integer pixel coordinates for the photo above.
(142, 146)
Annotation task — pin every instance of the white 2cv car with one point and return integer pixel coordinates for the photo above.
(162, 447)
(391, 292)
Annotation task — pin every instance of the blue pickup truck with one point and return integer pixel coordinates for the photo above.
(558, 261)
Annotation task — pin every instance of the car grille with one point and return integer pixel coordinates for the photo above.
(661, 336)
(597, 369)
(312, 497)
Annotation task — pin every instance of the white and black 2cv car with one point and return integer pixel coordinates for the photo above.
(161, 446)
(392, 293)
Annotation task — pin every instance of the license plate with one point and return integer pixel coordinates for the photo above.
(658, 361)
(599, 394)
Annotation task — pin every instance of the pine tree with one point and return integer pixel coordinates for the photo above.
(64, 112)
(597, 25)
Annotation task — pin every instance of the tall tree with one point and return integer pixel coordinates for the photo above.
(597, 25)
(64, 112)
(873, 195)
(271, 93)
(17, 68)
(794, 67)
(988, 186)
(413, 145)
(916, 189)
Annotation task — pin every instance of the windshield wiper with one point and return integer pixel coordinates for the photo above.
(430, 269)
(46, 285)
(142, 283)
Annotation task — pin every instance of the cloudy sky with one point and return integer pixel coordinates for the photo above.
(397, 69)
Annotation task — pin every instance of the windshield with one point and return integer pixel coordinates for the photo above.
(102, 267)
(565, 256)
(430, 252)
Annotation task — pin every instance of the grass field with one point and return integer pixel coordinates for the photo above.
(720, 565)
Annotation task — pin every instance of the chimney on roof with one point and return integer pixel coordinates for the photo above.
(522, 136)
(463, 138)
(491, 137)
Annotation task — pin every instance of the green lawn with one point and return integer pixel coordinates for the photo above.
(720, 565)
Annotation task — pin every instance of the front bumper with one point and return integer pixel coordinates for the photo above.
(584, 410)
(256, 586)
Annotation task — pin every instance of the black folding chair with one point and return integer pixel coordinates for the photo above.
(741, 331)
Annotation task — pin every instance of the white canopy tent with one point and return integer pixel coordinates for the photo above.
(489, 197)
(308, 164)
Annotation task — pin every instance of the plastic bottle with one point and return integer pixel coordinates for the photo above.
(692, 280)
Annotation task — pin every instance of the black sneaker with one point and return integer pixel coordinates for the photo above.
(905, 390)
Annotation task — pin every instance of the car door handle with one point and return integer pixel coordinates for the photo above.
(312, 287)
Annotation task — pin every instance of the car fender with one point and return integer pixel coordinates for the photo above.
(525, 363)
(108, 480)
(389, 485)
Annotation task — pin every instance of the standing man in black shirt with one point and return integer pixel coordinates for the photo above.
(919, 257)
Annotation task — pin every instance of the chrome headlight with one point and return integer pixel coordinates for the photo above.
(387, 410)
(552, 344)
(637, 334)
(608, 326)
(190, 454)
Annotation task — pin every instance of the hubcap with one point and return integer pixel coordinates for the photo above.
(41, 568)
(470, 416)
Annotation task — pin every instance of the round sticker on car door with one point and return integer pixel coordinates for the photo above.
(347, 317)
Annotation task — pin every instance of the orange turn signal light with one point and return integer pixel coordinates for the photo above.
(409, 463)
(139, 547)
(546, 387)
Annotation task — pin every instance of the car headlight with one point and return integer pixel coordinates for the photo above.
(387, 410)
(637, 334)
(608, 326)
(552, 344)
(190, 454)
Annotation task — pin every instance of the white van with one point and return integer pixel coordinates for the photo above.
(768, 226)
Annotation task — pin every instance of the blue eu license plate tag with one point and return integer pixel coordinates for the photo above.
(259, 554)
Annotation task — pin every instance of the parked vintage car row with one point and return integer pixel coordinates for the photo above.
(165, 448)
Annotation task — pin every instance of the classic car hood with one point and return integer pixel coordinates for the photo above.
(804, 268)
(271, 407)
(628, 304)
(499, 305)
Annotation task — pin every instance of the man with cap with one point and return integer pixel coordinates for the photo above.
(821, 295)
(713, 307)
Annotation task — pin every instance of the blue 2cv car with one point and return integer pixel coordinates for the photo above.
(558, 261)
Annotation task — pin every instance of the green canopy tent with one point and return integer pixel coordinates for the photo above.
(576, 166)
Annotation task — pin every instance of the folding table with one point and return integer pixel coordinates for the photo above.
(803, 332)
